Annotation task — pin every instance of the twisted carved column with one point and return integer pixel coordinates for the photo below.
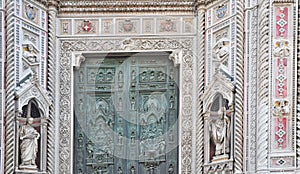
(51, 84)
(9, 165)
(239, 97)
(200, 90)
(263, 86)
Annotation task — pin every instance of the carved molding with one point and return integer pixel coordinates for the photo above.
(149, 44)
(126, 6)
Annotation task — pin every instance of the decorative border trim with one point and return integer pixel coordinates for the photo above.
(135, 44)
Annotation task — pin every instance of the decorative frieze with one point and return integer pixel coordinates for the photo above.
(145, 25)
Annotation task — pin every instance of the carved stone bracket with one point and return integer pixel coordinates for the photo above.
(176, 57)
(77, 60)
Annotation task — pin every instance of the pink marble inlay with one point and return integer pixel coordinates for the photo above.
(280, 132)
(281, 22)
(281, 79)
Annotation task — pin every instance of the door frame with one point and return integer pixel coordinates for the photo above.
(71, 56)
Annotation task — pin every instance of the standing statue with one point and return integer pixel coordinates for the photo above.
(220, 132)
(29, 145)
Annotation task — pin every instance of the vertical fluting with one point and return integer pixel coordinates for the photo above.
(239, 97)
(51, 85)
(9, 165)
(200, 90)
(263, 87)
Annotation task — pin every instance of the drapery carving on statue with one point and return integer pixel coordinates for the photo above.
(219, 125)
(29, 145)
(220, 132)
(29, 134)
(220, 53)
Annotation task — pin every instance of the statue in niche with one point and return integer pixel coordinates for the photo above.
(220, 132)
(29, 145)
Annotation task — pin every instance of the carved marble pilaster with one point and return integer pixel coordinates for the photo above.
(52, 12)
(9, 164)
(140, 44)
(200, 89)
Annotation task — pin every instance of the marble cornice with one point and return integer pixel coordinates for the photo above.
(107, 6)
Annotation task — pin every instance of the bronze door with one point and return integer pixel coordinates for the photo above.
(125, 114)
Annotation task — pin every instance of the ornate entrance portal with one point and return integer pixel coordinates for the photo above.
(125, 114)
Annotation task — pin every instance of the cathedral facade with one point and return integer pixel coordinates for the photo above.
(149, 87)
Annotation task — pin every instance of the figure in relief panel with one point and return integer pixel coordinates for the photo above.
(29, 145)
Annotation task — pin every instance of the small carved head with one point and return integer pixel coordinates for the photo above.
(30, 120)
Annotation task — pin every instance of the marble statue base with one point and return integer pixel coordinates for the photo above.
(220, 158)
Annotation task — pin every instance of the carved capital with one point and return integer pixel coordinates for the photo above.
(77, 60)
